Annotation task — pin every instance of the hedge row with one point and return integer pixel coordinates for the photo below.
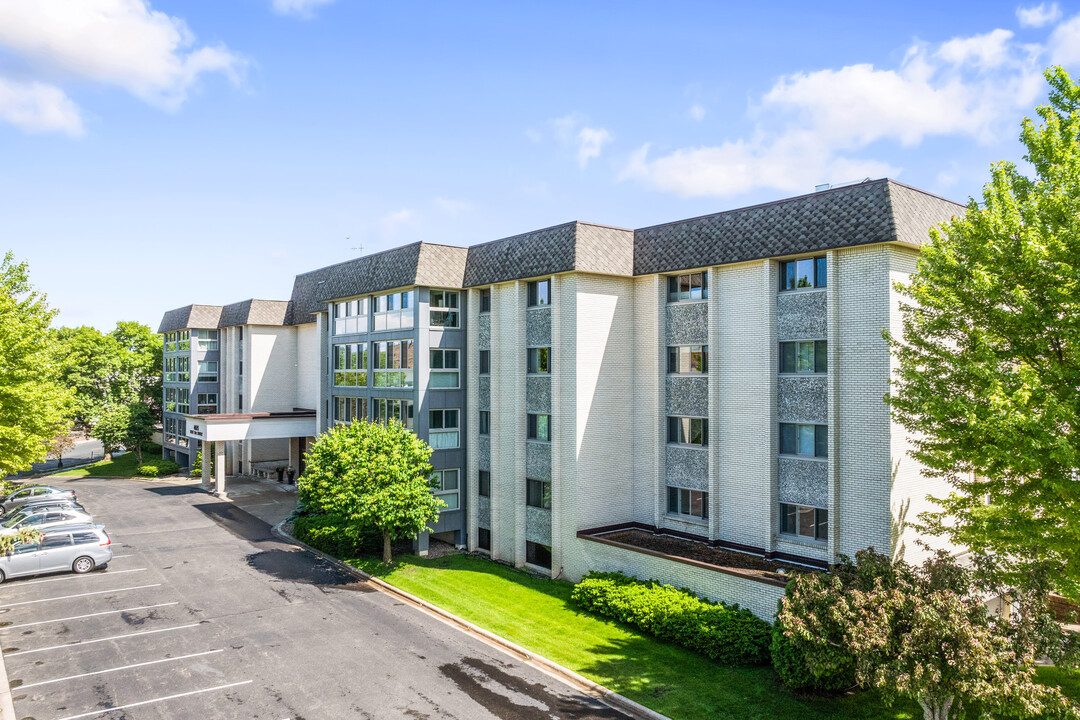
(158, 469)
(724, 633)
(335, 536)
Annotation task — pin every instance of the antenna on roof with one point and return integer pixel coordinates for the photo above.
(359, 247)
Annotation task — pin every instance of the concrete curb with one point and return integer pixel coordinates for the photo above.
(566, 675)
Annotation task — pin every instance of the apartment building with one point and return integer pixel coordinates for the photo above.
(718, 378)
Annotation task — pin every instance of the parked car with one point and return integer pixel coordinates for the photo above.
(78, 548)
(32, 493)
(43, 518)
(42, 504)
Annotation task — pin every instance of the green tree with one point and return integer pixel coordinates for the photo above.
(111, 427)
(60, 445)
(140, 428)
(372, 475)
(33, 404)
(142, 362)
(988, 376)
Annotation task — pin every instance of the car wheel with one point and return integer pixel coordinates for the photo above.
(2, 576)
(83, 565)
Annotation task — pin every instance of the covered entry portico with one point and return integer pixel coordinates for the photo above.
(246, 427)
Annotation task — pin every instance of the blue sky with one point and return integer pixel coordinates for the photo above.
(154, 154)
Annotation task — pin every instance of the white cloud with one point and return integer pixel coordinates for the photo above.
(1065, 43)
(985, 51)
(452, 207)
(299, 8)
(123, 43)
(588, 142)
(37, 107)
(697, 112)
(1039, 15)
(390, 224)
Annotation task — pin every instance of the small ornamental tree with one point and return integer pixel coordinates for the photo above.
(372, 475)
(140, 428)
(111, 428)
(61, 445)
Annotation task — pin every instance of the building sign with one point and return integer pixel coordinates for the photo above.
(195, 430)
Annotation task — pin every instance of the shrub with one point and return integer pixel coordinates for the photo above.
(158, 469)
(721, 632)
(336, 536)
(789, 662)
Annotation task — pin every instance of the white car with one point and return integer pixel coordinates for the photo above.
(43, 519)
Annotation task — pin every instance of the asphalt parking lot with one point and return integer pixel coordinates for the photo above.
(203, 613)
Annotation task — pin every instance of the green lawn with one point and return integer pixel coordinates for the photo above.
(124, 466)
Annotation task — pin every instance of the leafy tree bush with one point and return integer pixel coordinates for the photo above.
(337, 536)
(723, 633)
(789, 662)
(196, 467)
(140, 428)
(158, 469)
(111, 428)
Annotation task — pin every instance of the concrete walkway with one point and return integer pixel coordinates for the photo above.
(268, 500)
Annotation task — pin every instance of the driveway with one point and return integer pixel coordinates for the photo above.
(203, 613)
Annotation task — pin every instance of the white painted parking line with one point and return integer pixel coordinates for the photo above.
(77, 643)
(75, 577)
(125, 667)
(117, 557)
(80, 617)
(160, 699)
(68, 597)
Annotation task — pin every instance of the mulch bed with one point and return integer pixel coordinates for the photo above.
(731, 559)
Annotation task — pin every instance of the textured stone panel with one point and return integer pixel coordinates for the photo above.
(538, 327)
(538, 394)
(483, 327)
(538, 461)
(483, 453)
(804, 482)
(687, 323)
(483, 393)
(688, 467)
(688, 396)
(483, 512)
(801, 315)
(538, 525)
(803, 399)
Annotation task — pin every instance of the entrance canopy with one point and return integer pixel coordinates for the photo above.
(251, 426)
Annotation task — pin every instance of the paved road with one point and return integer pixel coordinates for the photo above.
(83, 451)
(204, 614)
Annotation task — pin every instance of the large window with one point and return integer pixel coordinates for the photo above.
(170, 369)
(447, 488)
(443, 429)
(484, 484)
(393, 363)
(395, 310)
(207, 404)
(183, 368)
(485, 362)
(539, 293)
(485, 300)
(688, 431)
(443, 308)
(802, 274)
(537, 554)
(170, 342)
(538, 494)
(181, 432)
(483, 538)
(170, 399)
(350, 364)
(207, 371)
(384, 410)
(183, 400)
(444, 369)
(170, 430)
(692, 286)
(807, 522)
(681, 501)
(350, 316)
(538, 360)
(804, 357)
(809, 440)
(208, 339)
(183, 340)
(485, 422)
(539, 427)
(349, 409)
(688, 360)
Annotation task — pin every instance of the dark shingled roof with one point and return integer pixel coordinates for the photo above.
(202, 317)
(255, 312)
(869, 212)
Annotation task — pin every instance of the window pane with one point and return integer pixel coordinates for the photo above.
(485, 419)
(804, 273)
(673, 430)
(787, 275)
(485, 362)
(806, 521)
(673, 500)
(787, 518)
(821, 356)
(443, 379)
(788, 356)
(484, 489)
(822, 272)
(449, 479)
(435, 419)
(672, 289)
(542, 427)
(673, 360)
(684, 501)
(821, 441)
(695, 431)
(697, 503)
(450, 359)
(684, 287)
(806, 439)
(821, 528)
(451, 500)
(805, 363)
(787, 439)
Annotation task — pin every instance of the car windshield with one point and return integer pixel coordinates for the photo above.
(14, 520)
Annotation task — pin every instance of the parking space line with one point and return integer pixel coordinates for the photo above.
(80, 617)
(117, 557)
(75, 577)
(106, 639)
(160, 699)
(68, 597)
(125, 667)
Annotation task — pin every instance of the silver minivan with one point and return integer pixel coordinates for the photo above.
(78, 548)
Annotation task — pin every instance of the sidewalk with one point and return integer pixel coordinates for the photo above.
(268, 500)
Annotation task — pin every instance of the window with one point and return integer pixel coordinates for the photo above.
(807, 522)
(539, 427)
(443, 308)
(394, 311)
(805, 273)
(170, 399)
(538, 494)
(485, 362)
(183, 400)
(170, 342)
(207, 403)
(681, 501)
(537, 554)
(539, 293)
(349, 409)
(446, 488)
(485, 300)
(809, 440)
(384, 410)
(183, 340)
(350, 364)
(485, 422)
(443, 429)
(688, 360)
(181, 432)
(183, 369)
(170, 430)
(810, 356)
(170, 369)
(484, 484)
(207, 339)
(444, 368)
(692, 286)
(688, 431)
(350, 316)
(538, 360)
(483, 538)
(207, 371)
(393, 363)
